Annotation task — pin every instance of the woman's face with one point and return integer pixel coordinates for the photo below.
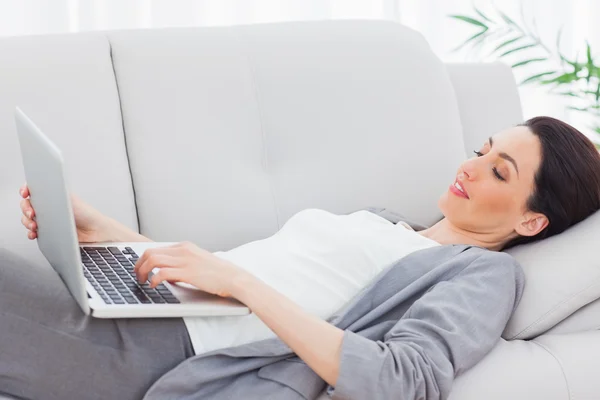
(497, 183)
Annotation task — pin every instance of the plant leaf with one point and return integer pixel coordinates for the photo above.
(577, 108)
(590, 109)
(470, 20)
(563, 59)
(469, 40)
(576, 65)
(521, 63)
(479, 41)
(537, 76)
(572, 94)
(567, 77)
(590, 62)
(501, 45)
(506, 18)
(560, 54)
(527, 46)
(482, 15)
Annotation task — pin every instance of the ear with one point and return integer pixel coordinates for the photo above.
(532, 224)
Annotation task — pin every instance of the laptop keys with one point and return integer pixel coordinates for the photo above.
(110, 272)
(114, 250)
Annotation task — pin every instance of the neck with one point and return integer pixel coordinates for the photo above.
(444, 232)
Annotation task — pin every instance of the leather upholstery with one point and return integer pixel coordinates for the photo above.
(218, 135)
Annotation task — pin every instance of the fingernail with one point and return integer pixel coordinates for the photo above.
(29, 214)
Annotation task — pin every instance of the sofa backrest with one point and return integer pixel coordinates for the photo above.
(219, 135)
(243, 127)
(66, 84)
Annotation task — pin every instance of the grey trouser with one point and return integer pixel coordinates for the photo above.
(50, 350)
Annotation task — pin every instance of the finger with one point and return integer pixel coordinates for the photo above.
(24, 205)
(26, 208)
(167, 250)
(31, 235)
(27, 223)
(24, 191)
(169, 274)
(142, 259)
(153, 261)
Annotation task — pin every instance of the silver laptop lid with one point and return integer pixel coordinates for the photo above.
(57, 235)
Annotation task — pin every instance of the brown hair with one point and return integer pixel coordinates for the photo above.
(567, 183)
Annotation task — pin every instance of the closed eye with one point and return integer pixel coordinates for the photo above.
(496, 174)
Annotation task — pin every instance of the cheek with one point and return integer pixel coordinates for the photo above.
(499, 199)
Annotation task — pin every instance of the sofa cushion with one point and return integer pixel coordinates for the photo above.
(355, 113)
(562, 275)
(242, 127)
(66, 85)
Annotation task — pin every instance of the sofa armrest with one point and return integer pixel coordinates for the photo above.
(516, 370)
(550, 367)
(488, 100)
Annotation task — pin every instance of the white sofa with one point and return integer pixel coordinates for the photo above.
(219, 135)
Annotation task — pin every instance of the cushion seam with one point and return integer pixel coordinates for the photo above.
(562, 369)
(256, 93)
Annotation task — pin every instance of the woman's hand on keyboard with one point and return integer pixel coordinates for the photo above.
(186, 262)
(92, 225)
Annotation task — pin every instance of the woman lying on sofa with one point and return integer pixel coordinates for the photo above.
(524, 184)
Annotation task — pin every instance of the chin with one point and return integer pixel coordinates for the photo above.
(452, 210)
(443, 203)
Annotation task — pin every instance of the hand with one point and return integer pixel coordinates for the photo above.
(92, 225)
(186, 262)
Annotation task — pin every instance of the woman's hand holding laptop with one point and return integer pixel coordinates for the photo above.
(183, 262)
(92, 225)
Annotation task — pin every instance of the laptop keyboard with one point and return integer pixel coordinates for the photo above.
(110, 272)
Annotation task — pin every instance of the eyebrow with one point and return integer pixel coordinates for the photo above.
(505, 156)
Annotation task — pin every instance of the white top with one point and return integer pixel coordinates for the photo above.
(317, 259)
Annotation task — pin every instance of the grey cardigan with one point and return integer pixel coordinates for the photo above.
(425, 319)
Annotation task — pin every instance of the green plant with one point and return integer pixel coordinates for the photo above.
(577, 80)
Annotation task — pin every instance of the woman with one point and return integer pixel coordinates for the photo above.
(525, 183)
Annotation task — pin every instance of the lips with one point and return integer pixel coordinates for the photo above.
(462, 188)
(458, 189)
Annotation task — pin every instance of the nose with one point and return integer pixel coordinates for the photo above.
(468, 170)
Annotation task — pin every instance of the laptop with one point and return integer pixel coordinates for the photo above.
(99, 275)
